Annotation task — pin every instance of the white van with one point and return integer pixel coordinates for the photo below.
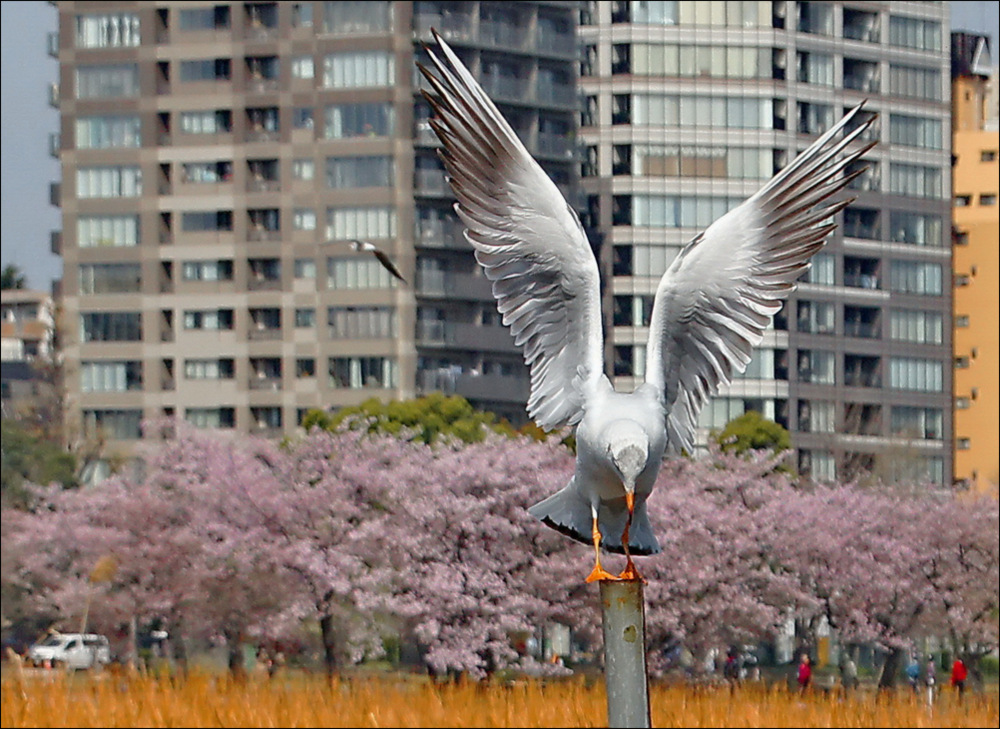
(71, 650)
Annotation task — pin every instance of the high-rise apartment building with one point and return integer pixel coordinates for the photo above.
(688, 108)
(976, 254)
(218, 157)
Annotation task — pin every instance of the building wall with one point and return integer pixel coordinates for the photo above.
(673, 91)
(267, 135)
(976, 306)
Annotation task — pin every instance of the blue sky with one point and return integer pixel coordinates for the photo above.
(27, 120)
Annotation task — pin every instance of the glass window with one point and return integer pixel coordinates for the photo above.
(303, 169)
(108, 376)
(304, 219)
(207, 220)
(822, 270)
(915, 180)
(914, 277)
(113, 424)
(209, 369)
(922, 375)
(357, 273)
(359, 120)
(104, 182)
(357, 17)
(207, 172)
(361, 322)
(211, 417)
(814, 68)
(305, 268)
(925, 327)
(915, 131)
(362, 69)
(206, 69)
(305, 318)
(303, 67)
(302, 15)
(818, 465)
(111, 326)
(815, 17)
(115, 231)
(816, 317)
(817, 416)
(213, 18)
(817, 366)
(218, 319)
(206, 122)
(110, 30)
(351, 172)
(110, 278)
(207, 270)
(365, 223)
(916, 229)
(363, 372)
(924, 35)
(914, 82)
(110, 81)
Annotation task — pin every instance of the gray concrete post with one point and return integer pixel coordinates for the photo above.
(624, 621)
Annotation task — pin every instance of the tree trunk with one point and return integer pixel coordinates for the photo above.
(178, 649)
(235, 648)
(331, 654)
(890, 669)
(133, 642)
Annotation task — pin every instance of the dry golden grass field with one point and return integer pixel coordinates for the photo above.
(203, 700)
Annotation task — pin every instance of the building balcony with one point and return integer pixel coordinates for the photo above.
(264, 334)
(55, 242)
(52, 44)
(451, 26)
(55, 194)
(263, 86)
(264, 235)
(441, 234)
(264, 383)
(454, 286)
(262, 135)
(455, 335)
(54, 95)
(430, 182)
(264, 284)
(263, 185)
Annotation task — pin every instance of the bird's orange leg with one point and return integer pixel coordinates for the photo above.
(630, 572)
(598, 573)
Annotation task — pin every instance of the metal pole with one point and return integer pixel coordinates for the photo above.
(624, 621)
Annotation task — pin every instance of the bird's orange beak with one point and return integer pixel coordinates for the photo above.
(630, 501)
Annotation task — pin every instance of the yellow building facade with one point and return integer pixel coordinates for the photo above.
(976, 266)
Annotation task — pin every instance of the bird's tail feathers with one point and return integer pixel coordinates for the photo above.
(566, 512)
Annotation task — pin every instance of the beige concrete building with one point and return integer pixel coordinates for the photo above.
(218, 157)
(27, 328)
(976, 146)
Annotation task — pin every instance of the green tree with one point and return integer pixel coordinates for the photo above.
(28, 457)
(424, 418)
(12, 278)
(752, 432)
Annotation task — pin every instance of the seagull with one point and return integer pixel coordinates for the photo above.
(387, 264)
(711, 307)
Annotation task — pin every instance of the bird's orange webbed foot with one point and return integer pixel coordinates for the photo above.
(598, 573)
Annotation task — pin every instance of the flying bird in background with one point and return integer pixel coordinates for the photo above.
(386, 262)
(711, 306)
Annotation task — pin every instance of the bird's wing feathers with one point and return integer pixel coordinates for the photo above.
(388, 264)
(714, 302)
(528, 240)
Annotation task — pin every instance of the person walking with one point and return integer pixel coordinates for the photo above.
(804, 675)
(930, 678)
(958, 676)
(848, 672)
(913, 673)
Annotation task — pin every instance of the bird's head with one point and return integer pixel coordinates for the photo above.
(628, 449)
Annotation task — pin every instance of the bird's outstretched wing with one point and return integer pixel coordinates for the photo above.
(720, 293)
(528, 240)
(380, 255)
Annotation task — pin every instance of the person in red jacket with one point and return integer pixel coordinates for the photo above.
(805, 672)
(958, 675)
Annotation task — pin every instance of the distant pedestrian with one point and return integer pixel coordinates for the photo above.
(848, 672)
(913, 673)
(804, 675)
(731, 669)
(930, 679)
(958, 676)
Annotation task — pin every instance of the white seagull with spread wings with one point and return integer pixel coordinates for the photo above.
(711, 307)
